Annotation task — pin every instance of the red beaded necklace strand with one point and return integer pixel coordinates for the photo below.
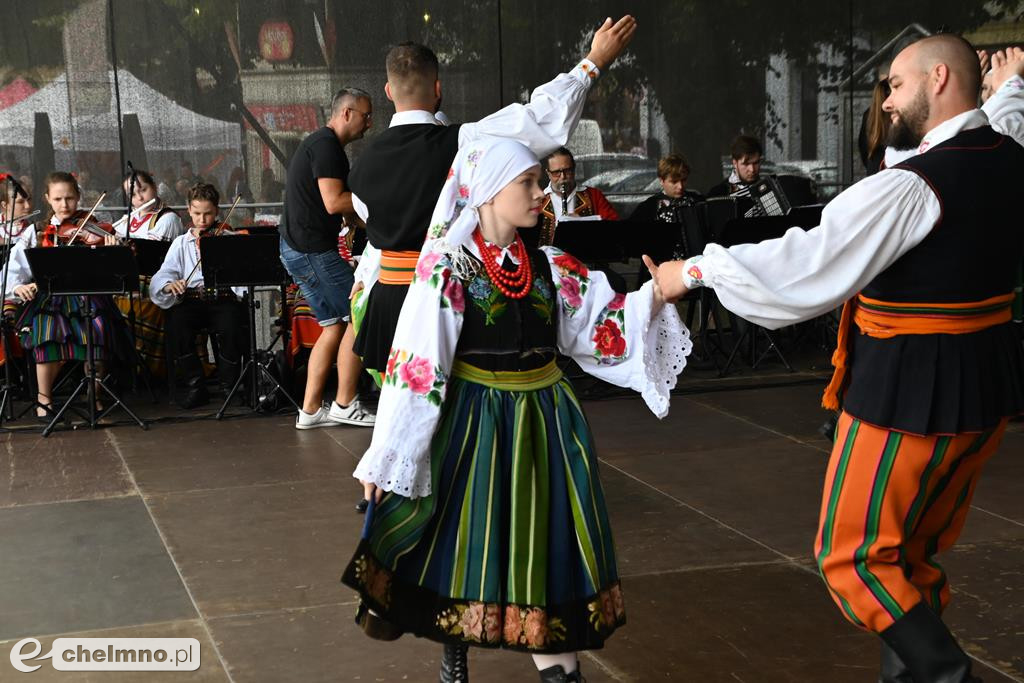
(514, 284)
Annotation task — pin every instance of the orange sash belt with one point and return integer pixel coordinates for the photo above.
(884, 320)
(397, 267)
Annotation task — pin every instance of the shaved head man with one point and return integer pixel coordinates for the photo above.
(932, 80)
(924, 253)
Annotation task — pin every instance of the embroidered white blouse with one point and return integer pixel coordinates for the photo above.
(648, 352)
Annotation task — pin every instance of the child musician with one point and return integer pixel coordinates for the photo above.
(54, 327)
(493, 531)
(151, 220)
(178, 288)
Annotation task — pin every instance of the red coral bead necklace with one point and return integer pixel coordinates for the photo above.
(515, 284)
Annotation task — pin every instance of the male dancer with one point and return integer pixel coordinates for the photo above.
(926, 254)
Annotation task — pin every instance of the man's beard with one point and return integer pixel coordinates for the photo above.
(908, 130)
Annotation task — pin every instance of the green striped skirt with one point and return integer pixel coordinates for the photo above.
(513, 548)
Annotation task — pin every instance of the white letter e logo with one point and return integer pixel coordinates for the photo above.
(17, 657)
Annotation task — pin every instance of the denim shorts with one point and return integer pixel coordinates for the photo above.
(324, 279)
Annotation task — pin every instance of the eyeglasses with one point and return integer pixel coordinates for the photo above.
(367, 115)
(561, 171)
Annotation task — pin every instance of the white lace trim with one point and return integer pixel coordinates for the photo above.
(402, 473)
(666, 345)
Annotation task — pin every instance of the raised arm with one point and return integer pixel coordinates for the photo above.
(545, 123)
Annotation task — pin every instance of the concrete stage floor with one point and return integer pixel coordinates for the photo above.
(236, 533)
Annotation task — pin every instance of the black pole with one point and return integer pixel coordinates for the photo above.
(501, 67)
(850, 108)
(117, 102)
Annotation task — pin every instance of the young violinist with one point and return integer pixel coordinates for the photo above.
(54, 327)
(179, 289)
(149, 219)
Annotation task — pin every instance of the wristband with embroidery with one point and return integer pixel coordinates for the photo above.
(693, 274)
(586, 70)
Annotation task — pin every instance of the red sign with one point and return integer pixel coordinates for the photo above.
(277, 42)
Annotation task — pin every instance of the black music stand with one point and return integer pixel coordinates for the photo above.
(753, 230)
(149, 256)
(87, 272)
(246, 261)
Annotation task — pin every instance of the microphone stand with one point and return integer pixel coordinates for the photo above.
(6, 403)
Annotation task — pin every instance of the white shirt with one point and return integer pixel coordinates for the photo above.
(165, 228)
(556, 200)
(182, 256)
(863, 231)
(543, 124)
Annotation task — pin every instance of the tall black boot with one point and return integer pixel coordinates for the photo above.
(556, 674)
(925, 645)
(892, 669)
(455, 664)
(192, 369)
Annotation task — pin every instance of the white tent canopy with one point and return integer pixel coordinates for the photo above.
(166, 125)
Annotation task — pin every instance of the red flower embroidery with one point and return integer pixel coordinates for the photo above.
(617, 302)
(392, 359)
(464, 191)
(513, 625)
(694, 272)
(570, 264)
(608, 339)
(418, 373)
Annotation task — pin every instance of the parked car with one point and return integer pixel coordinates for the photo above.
(590, 165)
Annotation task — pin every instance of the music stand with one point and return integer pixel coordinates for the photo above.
(87, 272)
(149, 256)
(245, 261)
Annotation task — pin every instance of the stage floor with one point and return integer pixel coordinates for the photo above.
(235, 533)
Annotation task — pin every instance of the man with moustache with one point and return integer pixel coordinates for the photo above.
(934, 369)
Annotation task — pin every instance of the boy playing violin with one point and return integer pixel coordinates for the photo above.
(178, 288)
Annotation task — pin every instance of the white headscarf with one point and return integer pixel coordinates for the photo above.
(481, 170)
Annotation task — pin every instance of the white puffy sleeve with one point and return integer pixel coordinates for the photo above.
(416, 381)
(618, 337)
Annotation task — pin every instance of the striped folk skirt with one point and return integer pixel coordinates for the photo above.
(148, 331)
(892, 502)
(513, 548)
(54, 328)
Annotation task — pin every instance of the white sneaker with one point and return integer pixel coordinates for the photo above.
(313, 420)
(355, 414)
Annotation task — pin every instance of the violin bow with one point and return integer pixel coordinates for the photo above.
(87, 217)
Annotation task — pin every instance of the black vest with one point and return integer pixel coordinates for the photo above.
(399, 176)
(950, 383)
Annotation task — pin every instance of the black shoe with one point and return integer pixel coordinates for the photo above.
(455, 664)
(376, 627)
(927, 648)
(828, 429)
(196, 395)
(362, 505)
(556, 674)
(892, 669)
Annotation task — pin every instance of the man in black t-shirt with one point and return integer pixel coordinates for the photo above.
(316, 199)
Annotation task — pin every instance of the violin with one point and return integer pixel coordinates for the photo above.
(80, 228)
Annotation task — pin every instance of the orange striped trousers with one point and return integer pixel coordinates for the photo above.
(891, 502)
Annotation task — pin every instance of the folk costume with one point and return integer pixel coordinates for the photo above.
(583, 201)
(221, 311)
(409, 161)
(159, 223)
(925, 253)
(494, 531)
(54, 328)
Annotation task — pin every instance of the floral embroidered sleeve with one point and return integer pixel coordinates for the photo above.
(618, 337)
(415, 381)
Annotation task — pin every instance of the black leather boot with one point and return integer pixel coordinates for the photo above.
(892, 669)
(455, 664)
(192, 369)
(927, 648)
(556, 674)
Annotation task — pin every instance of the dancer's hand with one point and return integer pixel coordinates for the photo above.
(356, 288)
(26, 292)
(370, 489)
(1006, 64)
(610, 40)
(984, 59)
(670, 278)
